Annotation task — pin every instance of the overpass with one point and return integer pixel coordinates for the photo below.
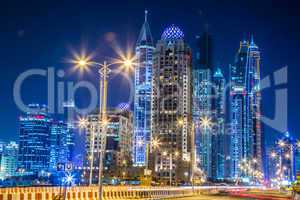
(109, 192)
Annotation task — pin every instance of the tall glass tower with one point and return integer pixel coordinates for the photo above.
(9, 158)
(142, 99)
(202, 70)
(173, 152)
(253, 88)
(245, 107)
(34, 140)
(60, 151)
(219, 138)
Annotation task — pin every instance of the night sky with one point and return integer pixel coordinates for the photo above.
(39, 34)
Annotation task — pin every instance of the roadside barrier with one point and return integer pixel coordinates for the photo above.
(109, 192)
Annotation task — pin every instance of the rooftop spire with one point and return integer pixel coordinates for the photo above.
(252, 40)
(145, 37)
(146, 15)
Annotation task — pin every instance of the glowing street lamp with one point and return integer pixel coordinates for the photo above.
(84, 62)
(180, 122)
(205, 122)
(273, 154)
(83, 123)
(287, 156)
(155, 143)
(281, 143)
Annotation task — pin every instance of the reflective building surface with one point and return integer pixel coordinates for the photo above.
(142, 99)
(172, 153)
(34, 140)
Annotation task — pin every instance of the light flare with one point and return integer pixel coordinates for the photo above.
(205, 122)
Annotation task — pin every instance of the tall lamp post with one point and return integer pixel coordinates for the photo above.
(103, 70)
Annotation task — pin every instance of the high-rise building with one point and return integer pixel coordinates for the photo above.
(245, 107)
(219, 137)
(202, 70)
(172, 153)
(297, 162)
(253, 90)
(34, 140)
(60, 140)
(273, 163)
(142, 99)
(9, 160)
(118, 150)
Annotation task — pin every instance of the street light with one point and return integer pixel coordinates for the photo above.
(180, 122)
(205, 122)
(281, 143)
(155, 143)
(273, 154)
(82, 123)
(84, 62)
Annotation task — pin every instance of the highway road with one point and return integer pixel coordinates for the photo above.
(211, 197)
(263, 195)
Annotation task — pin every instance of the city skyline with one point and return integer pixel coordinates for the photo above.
(24, 31)
(149, 99)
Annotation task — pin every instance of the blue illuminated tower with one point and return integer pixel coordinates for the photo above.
(142, 98)
(9, 158)
(34, 140)
(245, 107)
(240, 131)
(202, 70)
(253, 87)
(60, 151)
(219, 138)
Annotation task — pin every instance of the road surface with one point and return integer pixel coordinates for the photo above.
(211, 197)
(240, 196)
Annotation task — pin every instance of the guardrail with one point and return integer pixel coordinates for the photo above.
(109, 192)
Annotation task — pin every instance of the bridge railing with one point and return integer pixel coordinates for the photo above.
(109, 192)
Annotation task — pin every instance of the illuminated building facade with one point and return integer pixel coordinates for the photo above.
(273, 163)
(9, 160)
(172, 156)
(297, 162)
(245, 107)
(34, 140)
(202, 106)
(219, 138)
(118, 153)
(142, 99)
(253, 90)
(61, 141)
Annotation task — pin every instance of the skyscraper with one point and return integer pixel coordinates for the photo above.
(172, 153)
(34, 140)
(9, 160)
(219, 139)
(245, 107)
(118, 154)
(142, 99)
(202, 70)
(60, 151)
(253, 88)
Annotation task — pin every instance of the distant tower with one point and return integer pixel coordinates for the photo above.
(172, 156)
(142, 99)
(219, 139)
(34, 140)
(202, 70)
(253, 88)
(118, 153)
(60, 153)
(245, 100)
(9, 158)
